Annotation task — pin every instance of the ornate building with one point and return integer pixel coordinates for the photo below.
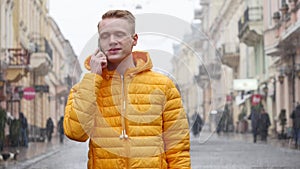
(35, 63)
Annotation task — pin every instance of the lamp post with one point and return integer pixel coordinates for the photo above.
(281, 78)
(284, 9)
(276, 17)
(265, 90)
(202, 81)
(293, 72)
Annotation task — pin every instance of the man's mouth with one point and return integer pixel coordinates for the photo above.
(114, 49)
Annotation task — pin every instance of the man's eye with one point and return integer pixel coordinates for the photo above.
(120, 34)
(104, 36)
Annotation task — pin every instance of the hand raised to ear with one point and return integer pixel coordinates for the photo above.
(98, 62)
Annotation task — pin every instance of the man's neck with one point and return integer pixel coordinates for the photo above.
(123, 66)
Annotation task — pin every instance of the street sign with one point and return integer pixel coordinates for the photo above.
(29, 93)
(41, 88)
(245, 84)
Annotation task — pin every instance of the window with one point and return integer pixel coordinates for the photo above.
(270, 15)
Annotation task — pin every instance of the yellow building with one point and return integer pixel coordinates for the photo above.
(35, 63)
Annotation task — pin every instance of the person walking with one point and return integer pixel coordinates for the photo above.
(132, 116)
(197, 126)
(49, 128)
(296, 125)
(255, 119)
(3, 120)
(60, 129)
(264, 124)
(24, 128)
(282, 122)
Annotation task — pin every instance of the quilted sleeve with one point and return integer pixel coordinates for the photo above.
(176, 130)
(81, 108)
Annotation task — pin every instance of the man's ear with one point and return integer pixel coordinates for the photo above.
(135, 38)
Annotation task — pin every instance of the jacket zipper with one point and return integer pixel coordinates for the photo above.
(123, 111)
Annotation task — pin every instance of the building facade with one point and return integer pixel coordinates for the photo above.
(282, 45)
(35, 60)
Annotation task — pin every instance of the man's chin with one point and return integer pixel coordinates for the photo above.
(114, 58)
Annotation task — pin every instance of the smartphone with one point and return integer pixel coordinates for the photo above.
(101, 48)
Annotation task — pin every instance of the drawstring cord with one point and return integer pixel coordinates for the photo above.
(123, 134)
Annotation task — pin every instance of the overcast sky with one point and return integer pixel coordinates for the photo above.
(78, 19)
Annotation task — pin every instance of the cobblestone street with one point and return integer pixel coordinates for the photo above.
(236, 151)
(227, 151)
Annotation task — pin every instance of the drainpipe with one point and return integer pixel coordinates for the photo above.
(293, 80)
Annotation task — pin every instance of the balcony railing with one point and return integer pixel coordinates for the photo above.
(251, 14)
(230, 54)
(41, 45)
(230, 49)
(212, 70)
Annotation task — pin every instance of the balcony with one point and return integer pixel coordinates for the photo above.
(18, 60)
(283, 38)
(271, 42)
(230, 54)
(250, 26)
(211, 71)
(41, 58)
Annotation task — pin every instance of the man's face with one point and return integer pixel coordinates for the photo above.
(116, 39)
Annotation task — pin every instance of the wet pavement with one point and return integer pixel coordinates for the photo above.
(33, 153)
(233, 150)
(236, 151)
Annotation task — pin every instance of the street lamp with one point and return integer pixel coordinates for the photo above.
(281, 75)
(281, 78)
(276, 17)
(284, 8)
(291, 71)
(265, 89)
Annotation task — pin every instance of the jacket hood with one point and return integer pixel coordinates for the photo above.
(141, 59)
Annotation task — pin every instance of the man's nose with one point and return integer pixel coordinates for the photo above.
(112, 39)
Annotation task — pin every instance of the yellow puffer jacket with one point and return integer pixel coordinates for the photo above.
(133, 121)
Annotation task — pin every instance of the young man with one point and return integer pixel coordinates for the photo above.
(133, 116)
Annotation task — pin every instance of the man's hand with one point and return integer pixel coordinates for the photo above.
(98, 62)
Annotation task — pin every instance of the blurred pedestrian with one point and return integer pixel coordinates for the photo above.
(242, 123)
(220, 120)
(60, 129)
(296, 125)
(24, 127)
(282, 122)
(49, 128)
(3, 120)
(197, 126)
(264, 124)
(255, 118)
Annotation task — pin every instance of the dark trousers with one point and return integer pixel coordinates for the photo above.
(24, 140)
(264, 134)
(297, 136)
(255, 132)
(1, 144)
